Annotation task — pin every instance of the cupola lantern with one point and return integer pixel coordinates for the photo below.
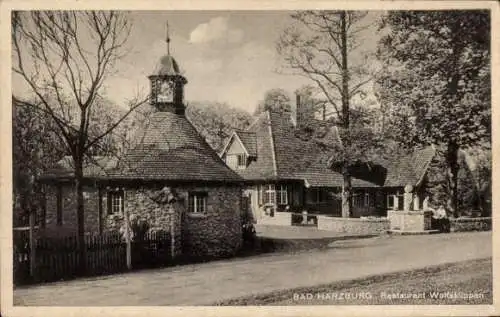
(167, 84)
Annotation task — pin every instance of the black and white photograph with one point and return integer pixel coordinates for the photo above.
(271, 155)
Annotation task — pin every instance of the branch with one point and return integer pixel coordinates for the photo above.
(114, 125)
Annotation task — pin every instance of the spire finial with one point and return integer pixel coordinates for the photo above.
(168, 39)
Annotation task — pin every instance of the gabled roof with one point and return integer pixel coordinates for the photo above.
(264, 166)
(409, 169)
(284, 155)
(248, 141)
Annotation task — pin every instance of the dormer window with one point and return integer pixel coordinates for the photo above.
(242, 161)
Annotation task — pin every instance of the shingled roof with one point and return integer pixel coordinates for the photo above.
(249, 140)
(409, 169)
(94, 167)
(283, 155)
(170, 148)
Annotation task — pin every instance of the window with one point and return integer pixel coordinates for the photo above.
(270, 194)
(358, 199)
(390, 201)
(198, 202)
(115, 202)
(242, 161)
(282, 195)
(231, 161)
(369, 200)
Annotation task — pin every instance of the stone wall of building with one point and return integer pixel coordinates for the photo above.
(212, 234)
(69, 217)
(141, 205)
(217, 232)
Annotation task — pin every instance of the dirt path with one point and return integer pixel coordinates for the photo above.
(210, 282)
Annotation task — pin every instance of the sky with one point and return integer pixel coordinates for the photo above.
(226, 56)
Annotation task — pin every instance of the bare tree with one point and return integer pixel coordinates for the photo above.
(64, 58)
(323, 46)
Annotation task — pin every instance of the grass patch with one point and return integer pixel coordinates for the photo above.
(468, 282)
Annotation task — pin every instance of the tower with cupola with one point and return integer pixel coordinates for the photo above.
(167, 84)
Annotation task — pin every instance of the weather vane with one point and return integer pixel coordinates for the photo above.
(168, 39)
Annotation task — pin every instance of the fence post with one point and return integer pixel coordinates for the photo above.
(171, 211)
(32, 244)
(127, 234)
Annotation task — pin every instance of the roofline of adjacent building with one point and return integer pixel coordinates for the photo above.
(273, 149)
(254, 122)
(428, 163)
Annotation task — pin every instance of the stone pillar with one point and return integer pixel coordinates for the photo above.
(396, 202)
(416, 202)
(408, 197)
(304, 217)
(425, 205)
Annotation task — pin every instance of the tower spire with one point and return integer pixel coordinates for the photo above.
(167, 39)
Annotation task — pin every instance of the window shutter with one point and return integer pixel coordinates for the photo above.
(259, 194)
(110, 198)
(59, 205)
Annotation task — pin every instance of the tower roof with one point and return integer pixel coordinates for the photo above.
(167, 66)
(170, 148)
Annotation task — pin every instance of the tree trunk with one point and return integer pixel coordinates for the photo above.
(452, 178)
(346, 185)
(345, 71)
(80, 215)
(346, 194)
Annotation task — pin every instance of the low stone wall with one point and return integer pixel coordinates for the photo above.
(353, 225)
(470, 224)
(279, 219)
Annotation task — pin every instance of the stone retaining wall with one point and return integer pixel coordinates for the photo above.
(353, 225)
(470, 224)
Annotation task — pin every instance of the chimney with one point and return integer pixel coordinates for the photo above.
(295, 108)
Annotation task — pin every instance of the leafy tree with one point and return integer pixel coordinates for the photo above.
(436, 84)
(68, 55)
(216, 121)
(35, 147)
(312, 103)
(276, 100)
(324, 46)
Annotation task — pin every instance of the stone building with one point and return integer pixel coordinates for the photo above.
(171, 180)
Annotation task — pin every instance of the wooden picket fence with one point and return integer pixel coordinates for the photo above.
(58, 258)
